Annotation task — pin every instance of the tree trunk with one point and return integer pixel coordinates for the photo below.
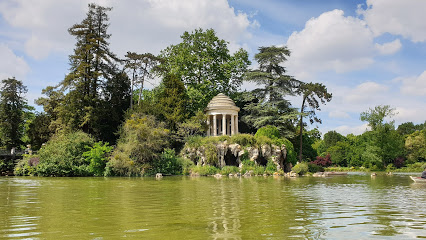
(301, 129)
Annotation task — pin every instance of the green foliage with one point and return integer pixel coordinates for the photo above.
(97, 157)
(267, 105)
(376, 116)
(244, 139)
(312, 94)
(270, 168)
(12, 112)
(269, 131)
(416, 146)
(415, 167)
(63, 155)
(172, 100)
(39, 131)
(229, 169)
(211, 154)
(301, 168)
(313, 168)
(206, 170)
(203, 62)
(167, 163)
(339, 153)
(142, 139)
(195, 126)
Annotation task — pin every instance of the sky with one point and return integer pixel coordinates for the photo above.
(367, 53)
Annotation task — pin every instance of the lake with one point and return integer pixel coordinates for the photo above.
(355, 206)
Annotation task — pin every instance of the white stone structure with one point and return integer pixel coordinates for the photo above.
(222, 116)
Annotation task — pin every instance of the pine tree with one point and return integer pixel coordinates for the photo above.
(12, 107)
(92, 64)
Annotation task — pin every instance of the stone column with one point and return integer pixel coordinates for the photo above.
(209, 129)
(223, 124)
(232, 125)
(214, 125)
(228, 125)
(236, 124)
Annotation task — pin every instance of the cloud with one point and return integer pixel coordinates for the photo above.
(365, 93)
(331, 42)
(141, 26)
(338, 114)
(389, 48)
(414, 86)
(399, 17)
(356, 130)
(11, 65)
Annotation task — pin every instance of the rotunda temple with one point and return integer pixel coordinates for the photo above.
(222, 116)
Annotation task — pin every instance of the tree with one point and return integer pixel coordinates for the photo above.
(416, 146)
(12, 107)
(375, 117)
(203, 63)
(387, 142)
(172, 100)
(142, 138)
(141, 67)
(91, 64)
(267, 104)
(39, 131)
(312, 94)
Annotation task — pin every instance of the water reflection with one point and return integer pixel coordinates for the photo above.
(350, 207)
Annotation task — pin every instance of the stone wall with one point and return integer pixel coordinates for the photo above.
(233, 154)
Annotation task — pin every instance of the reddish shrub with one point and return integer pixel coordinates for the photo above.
(399, 162)
(323, 161)
(33, 161)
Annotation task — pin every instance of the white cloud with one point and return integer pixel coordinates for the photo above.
(11, 65)
(141, 26)
(389, 48)
(365, 93)
(331, 42)
(335, 42)
(338, 114)
(399, 17)
(414, 86)
(356, 130)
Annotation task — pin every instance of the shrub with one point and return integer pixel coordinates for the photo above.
(229, 169)
(243, 139)
(168, 163)
(300, 168)
(399, 162)
(96, 156)
(313, 168)
(63, 155)
(271, 167)
(142, 139)
(205, 170)
(269, 131)
(323, 161)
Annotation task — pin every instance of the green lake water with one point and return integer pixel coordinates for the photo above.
(341, 207)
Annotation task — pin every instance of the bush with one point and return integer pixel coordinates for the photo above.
(271, 167)
(205, 170)
(96, 156)
(229, 169)
(168, 163)
(63, 156)
(269, 131)
(323, 161)
(243, 139)
(142, 140)
(313, 168)
(300, 168)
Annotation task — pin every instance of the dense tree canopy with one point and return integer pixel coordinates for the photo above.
(204, 64)
(12, 107)
(267, 104)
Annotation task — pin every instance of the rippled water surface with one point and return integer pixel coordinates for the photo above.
(342, 207)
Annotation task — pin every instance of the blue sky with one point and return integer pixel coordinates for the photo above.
(367, 53)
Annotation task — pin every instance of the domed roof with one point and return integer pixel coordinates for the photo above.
(221, 101)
